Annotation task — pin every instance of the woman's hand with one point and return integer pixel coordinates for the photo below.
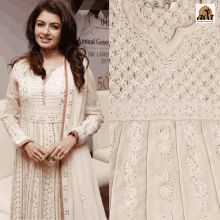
(62, 148)
(35, 151)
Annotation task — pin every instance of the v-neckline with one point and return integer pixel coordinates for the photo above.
(52, 72)
(170, 47)
(165, 48)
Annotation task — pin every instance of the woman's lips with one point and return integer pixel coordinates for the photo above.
(45, 40)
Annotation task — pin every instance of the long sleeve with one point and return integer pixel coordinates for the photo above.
(11, 115)
(94, 117)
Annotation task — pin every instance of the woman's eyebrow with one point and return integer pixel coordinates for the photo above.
(50, 23)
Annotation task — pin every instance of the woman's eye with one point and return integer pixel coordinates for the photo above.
(40, 24)
(55, 27)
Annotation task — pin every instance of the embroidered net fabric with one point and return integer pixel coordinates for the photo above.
(180, 14)
(164, 115)
(165, 169)
(148, 81)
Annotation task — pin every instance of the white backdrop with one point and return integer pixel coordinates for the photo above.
(94, 34)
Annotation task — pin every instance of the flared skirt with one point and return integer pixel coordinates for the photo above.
(165, 170)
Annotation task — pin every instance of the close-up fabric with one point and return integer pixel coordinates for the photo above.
(164, 112)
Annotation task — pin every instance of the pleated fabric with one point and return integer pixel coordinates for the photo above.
(165, 169)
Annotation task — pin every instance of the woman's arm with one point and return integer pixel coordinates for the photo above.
(12, 111)
(94, 117)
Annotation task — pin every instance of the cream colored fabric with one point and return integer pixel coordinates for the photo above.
(5, 195)
(180, 14)
(34, 112)
(153, 79)
(101, 138)
(7, 148)
(101, 171)
(102, 154)
(4, 216)
(164, 119)
(165, 169)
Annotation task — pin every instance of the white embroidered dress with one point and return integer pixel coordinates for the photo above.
(164, 118)
(34, 112)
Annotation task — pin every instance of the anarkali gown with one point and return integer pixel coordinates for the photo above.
(34, 112)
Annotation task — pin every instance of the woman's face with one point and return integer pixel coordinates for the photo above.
(48, 30)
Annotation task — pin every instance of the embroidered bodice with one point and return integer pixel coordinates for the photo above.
(29, 99)
(155, 79)
(39, 102)
(180, 14)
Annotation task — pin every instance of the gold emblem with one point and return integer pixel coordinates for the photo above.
(205, 13)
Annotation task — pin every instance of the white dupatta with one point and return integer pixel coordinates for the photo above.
(81, 196)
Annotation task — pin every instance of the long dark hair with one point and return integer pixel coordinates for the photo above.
(69, 44)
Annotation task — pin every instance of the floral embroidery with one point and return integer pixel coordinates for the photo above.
(165, 190)
(83, 197)
(145, 83)
(166, 21)
(89, 126)
(192, 160)
(217, 135)
(130, 199)
(112, 134)
(163, 111)
(65, 189)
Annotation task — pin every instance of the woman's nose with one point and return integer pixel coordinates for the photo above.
(46, 30)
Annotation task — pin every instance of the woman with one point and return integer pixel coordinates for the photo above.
(50, 91)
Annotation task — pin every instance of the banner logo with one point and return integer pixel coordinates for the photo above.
(205, 13)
